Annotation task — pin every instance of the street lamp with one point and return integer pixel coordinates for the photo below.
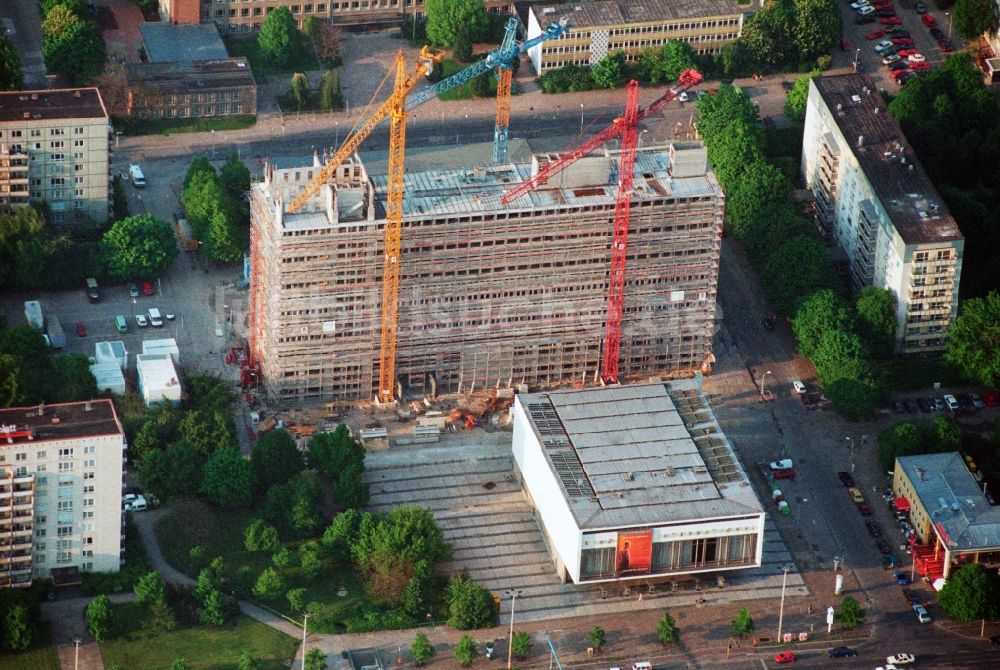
(305, 625)
(581, 118)
(857, 54)
(76, 654)
(510, 639)
(851, 440)
(641, 133)
(781, 609)
(763, 383)
(948, 14)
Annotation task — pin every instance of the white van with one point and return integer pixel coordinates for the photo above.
(155, 318)
(642, 665)
(136, 175)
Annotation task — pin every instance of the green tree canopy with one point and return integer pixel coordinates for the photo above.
(817, 28)
(33, 255)
(743, 624)
(150, 588)
(341, 534)
(974, 340)
(276, 459)
(279, 38)
(295, 506)
(10, 66)
(315, 659)
(75, 6)
(876, 310)
(299, 92)
(234, 176)
(521, 644)
(329, 92)
(465, 651)
(971, 593)
(821, 312)
(269, 584)
(227, 478)
(448, 19)
(100, 617)
(421, 650)
(907, 438)
(664, 64)
(597, 637)
(58, 22)
(974, 18)
(79, 52)
(18, 630)
(74, 380)
(666, 630)
(26, 366)
(199, 166)
(759, 186)
(839, 354)
(207, 430)
(470, 605)
(849, 613)
(795, 101)
(798, 267)
(609, 72)
(139, 246)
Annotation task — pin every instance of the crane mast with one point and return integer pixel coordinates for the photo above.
(504, 75)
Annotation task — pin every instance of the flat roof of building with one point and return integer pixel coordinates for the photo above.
(957, 507)
(191, 76)
(168, 43)
(58, 103)
(583, 14)
(640, 454)
(918, 213)
(31, 425)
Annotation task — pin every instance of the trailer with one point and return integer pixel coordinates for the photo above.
(57, 338)
(33, 313)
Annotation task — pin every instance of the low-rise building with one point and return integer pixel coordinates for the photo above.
(166, 43)
(158, 379)
(877, 205)
(952, 519)
(60, 491)
(597, 28)
(191, 89)
(633, 482)
(55, 146)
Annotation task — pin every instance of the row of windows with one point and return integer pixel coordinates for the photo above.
(185, 112)
(38, 132)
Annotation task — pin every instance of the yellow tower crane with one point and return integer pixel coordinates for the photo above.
(395, 108)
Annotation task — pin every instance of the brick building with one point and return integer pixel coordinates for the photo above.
(191, 89)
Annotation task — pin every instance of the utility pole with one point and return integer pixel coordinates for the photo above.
(857, 54)
(851, 440)
(763, 383)
(305, 628)
(510, 639)
(76, 654)
(781, 608)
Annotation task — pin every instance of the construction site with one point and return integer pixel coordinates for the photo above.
(591, 266)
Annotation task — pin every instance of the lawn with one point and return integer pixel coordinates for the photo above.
(171, 126)
(203, 647)
(463, 92)
(902, 375)
(248, 48)
(42, 657)
(219, 532)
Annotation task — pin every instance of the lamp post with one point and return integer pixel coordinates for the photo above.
(641, 133)
(76, 654)
(510, 638)
(581, 118)
(857, 54)
(781, 609)
(305, 626)
(948, 14)
(763, 383)
(851, 440)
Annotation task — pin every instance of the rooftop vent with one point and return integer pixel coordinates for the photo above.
(628, 476)
(861, 141)
(76, 93)
(34, 96)
(549, 10)
(840, 107)
(670, 471)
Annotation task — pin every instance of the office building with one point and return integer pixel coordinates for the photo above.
(55, 146)
(878, 207)
(191, 89)
(605, 26)
(60, 491)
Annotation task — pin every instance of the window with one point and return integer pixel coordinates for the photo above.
(89, 488)
(21, 456)
(66, 466)
(64, 544)
(89, 463)
(89, 514)
(78, 131)
(40, 455)
(88, 475)
(65, 505)
(40, 532)
(57, 144)
(64, 557)
(88, 502)
(64, 531)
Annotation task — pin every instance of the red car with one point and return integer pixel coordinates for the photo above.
(784, 657)
(901, 41)
(890, 21)
(945, 46)
(875, 35)
(991, 399)
(81, 329)
(896, 74)
(903, 53)
(863, 507)
(147, 288)
(784, 474)
(928, 20)
(923, 65)
(883, 5)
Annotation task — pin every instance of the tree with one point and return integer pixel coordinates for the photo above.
(974, 18)
(727, 106)
(462, 48)
(299, 92)
(315, 659)
(10, 66)
(213, 609)
(329, 92)
(138, 246)
(200, 167)
(28, 364)
(658, 66)
(223, 242)
(79, 52)
(971, 593)
(74, 380)
(766, 35)
(296, 599)
(597, 637)
(258, 536)
(816, 29)
(100, 617)
(974, 340)
(839, 354)
(609, 72)
(310, 563)
(448, 19)
(150, 589)
(421, 650)
(520, 645)
(758, 186)
(417, 595)
(227, 478)
(276, 459)
(330, 453)
(17, 628)
(75, 6)
(247, 661)
(327, 44)
(876, 310)
(162, 616)
(469, 604)
(731, 152)
(234, 175)
(269, 584)
(666, 630)
(743, 623)
(58, 22)
(310, 27)
(295, 506)
(798, 267)
(856, 397)
(282, 558)
(821, 312)
(180, 664)
(279, 37)
(795, 102)
(207, 430)
(465, 651)
(341, 534)
(849, 614)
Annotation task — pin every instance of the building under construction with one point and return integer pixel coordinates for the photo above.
(491, 295)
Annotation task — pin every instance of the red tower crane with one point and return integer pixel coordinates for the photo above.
(625, 126)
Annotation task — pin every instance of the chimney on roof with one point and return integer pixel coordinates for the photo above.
(861, 141)
(87, 406)
(76, 93)
(628, 476)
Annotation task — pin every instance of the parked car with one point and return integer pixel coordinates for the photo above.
(951, 402)
(902, 41)
(882, 46)
(867, 9)
(901, 659)
(890, 21)
(899, 32)
(783, 464)
(977, 401)
(910, 408)
(862, 20)
(922, 615)
(901, 578)
(991, 399)
(133, 502)
(875, 35)
(920, 8)
(140, 320)
(133, 289)
(899, 66)
(81, 330)
(683, 97)
(944, 46)
(885, 12)
(147, 288)
(799, 386)
(873, 528)
(864, 509)
(856, 496)
(936, 33)
(859, 4)
(939, 403)
(928, 20)
(845, 478)
(784, 657)
(924, 405)
(888, 60)
(916, 58)
(842, 652)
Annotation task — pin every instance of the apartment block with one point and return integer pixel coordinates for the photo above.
(877, 205)
(599, 28)
(191, 89)
(60, 491)
(55, 146)
(490, 295)
(242, 16)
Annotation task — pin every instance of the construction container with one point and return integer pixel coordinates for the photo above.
(57, 338)
(33, 313)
